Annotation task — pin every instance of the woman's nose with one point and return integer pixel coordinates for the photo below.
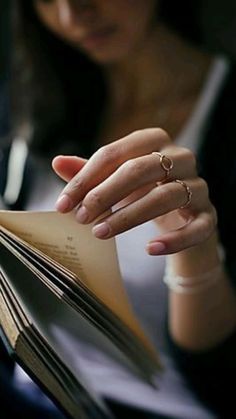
(71, 11)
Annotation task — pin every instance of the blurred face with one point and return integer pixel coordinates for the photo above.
(106, 30)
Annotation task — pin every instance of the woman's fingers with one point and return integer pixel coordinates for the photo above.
(160, 200)
(128, 178)
(195, 231)
(136, 177)
(66, 167)
(107, 160)
(131, 176)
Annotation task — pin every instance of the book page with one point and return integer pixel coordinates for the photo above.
(75, 247)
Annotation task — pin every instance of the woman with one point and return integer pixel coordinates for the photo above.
(118, 69)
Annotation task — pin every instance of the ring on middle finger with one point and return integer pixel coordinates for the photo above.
(187, 190)
(166, 164)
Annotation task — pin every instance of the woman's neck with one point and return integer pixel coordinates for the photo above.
(163, 64)
(158, 85)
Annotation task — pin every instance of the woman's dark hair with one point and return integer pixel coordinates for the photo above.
(67, 91)
(184, 17)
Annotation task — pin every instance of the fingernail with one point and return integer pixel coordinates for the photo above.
(82, 215)
(64, 203)
(101, 230)
(156, 248)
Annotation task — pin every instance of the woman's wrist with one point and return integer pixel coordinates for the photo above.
(194, 284)
(197, 260)
(205, 316)
(195, 269)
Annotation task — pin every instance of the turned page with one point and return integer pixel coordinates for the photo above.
(74, 246)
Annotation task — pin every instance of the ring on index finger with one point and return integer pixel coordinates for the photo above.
(166, 164)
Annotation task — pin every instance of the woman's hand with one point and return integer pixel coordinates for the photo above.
(127, 176)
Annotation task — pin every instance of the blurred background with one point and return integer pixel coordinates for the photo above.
(4, 65)
(218, 25)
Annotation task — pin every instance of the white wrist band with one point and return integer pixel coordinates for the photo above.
(191, 285)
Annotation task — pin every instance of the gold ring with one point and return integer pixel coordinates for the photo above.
(166, 164)
(188, 190)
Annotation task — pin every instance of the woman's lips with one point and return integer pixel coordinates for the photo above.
(97, 38)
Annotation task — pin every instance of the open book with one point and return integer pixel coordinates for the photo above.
(62, 301)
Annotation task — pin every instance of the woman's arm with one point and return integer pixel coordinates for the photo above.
(127, 175)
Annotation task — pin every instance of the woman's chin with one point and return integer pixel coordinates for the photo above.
(106, 55)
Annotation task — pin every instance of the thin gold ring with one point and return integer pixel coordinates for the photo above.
(188, 191)
(166, 164)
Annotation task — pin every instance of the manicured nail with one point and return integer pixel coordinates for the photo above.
(82, 215)
(64, 203)
(156, 248)
(101, 231)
